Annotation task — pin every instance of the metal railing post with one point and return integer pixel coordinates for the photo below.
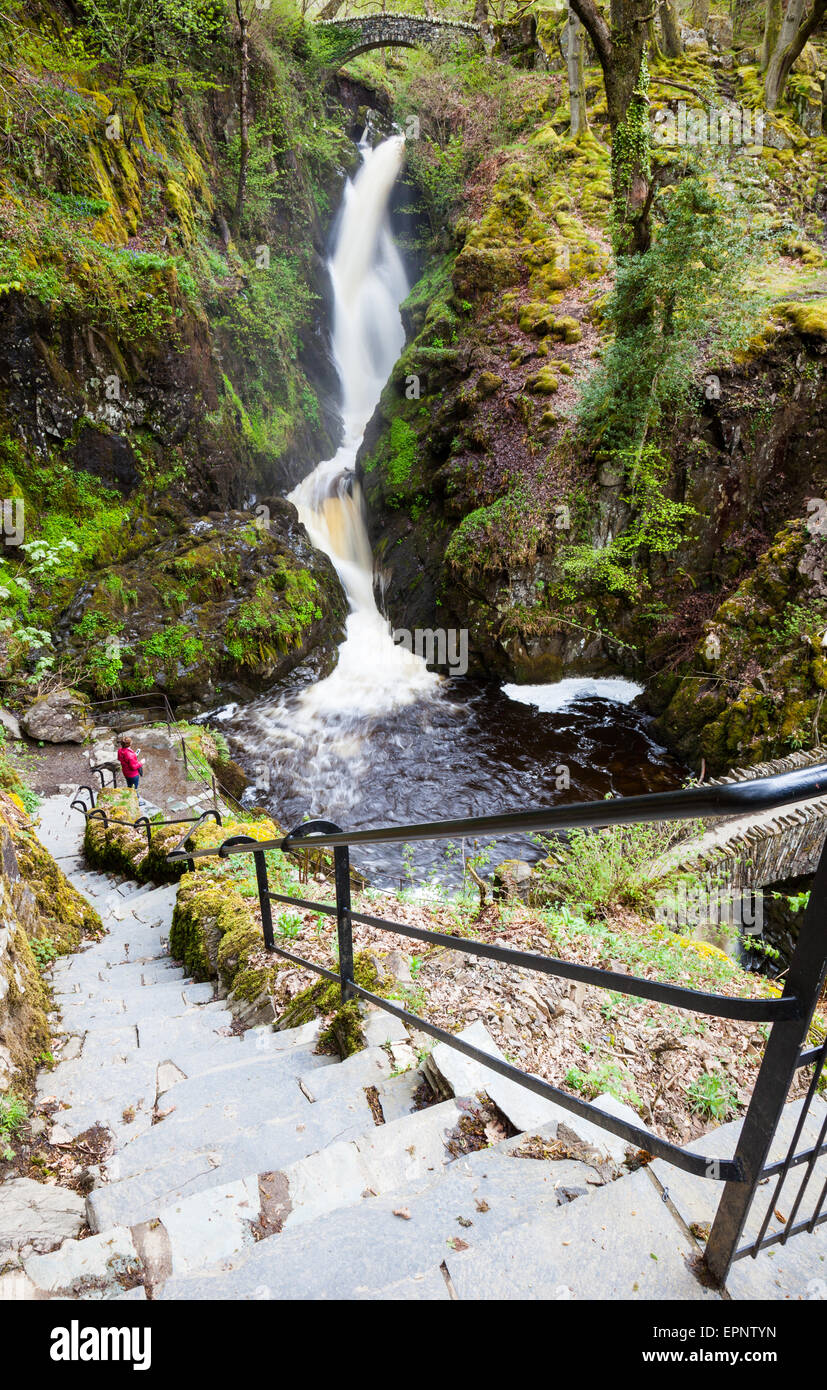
(264, 899)
(262, 883)
(341, 861)
(805, 980)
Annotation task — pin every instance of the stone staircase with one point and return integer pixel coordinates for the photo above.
(246, 1166)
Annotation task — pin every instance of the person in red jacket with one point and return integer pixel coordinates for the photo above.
(131, 766)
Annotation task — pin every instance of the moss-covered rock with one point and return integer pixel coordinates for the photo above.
(343, 1031)
(765, 674)
(222, 607)
(41, 916)
(808, 319)
(156, 367)
(543, 383)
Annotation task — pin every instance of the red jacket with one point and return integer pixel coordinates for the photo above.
(128, 759)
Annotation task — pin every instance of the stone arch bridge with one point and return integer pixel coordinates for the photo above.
(349, 37)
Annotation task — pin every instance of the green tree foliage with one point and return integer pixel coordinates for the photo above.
(440, 174)
(150, 44)
(658, 527)
(686, 297)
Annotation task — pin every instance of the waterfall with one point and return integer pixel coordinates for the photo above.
(310, 736)
(369, 284)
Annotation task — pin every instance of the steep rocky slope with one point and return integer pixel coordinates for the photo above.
(492, 506)
(156, 365)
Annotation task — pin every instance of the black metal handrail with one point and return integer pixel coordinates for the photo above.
(199, 820)
(726, 799)
(789, 1013)
(101, 769)
(150, 825)
(155, 700)
(720, 799)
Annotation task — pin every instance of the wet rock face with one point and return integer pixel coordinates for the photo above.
(70, 385)
(224, 606)
(117, 411)
(454, 547)
(759, 673)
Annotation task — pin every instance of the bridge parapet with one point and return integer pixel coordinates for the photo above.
(360, 34)
(767, 847)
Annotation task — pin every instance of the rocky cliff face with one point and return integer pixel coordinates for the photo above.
(155, 367)
(41, 916)
(220, 608)
(481, 486)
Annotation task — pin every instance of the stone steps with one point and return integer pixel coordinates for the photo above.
(221, 1222)
(217, 1114)
(249, 1167)
(781, 1271)
(361, 1249)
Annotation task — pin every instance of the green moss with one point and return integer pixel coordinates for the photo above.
(537, 317)
(65, 914)
(809, 319)
(774, 621)
(543, 383)
(488, 383)
(343, 1033)
(496, 536)
(123, 849)
(402, 453)
(198, 909)
(251, 984)
(283, 607)
(568, 329)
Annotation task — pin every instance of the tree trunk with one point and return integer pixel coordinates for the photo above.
(652, 35)
(243, 113)
(772, 27)
(620, 50)
(480, 12)
(791, 40)
(575, 64)
(631, 172)
(700, 13)
(331, 9)
(670, 29)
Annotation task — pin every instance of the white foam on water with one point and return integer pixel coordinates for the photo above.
(558, 694)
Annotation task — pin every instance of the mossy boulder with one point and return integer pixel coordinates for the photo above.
(216, 929)
(343, 1032)
(567, 329)
(808, 319)
(41, 916)
(544, 382)
(537, 317)
(204, 912)
(223, 606)
(762, 660)
(488, 383)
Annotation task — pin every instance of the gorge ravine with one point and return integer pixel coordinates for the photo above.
(382, 738)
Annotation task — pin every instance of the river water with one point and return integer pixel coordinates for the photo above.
(383, 739)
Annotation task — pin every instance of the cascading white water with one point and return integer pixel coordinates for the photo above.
(324, 724)
(369, 284)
